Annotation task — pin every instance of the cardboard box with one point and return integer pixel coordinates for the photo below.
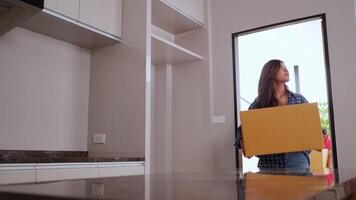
(281, 129)
(268, 186)
(318, 161)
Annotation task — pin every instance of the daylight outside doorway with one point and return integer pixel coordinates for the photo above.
(301, 45)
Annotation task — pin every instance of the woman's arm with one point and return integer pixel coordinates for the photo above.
(239, 144)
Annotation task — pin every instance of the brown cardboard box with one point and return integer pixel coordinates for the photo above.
(267, 186)
(318, 161)
(281, 129)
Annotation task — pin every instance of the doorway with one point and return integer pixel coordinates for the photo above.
(302, 45)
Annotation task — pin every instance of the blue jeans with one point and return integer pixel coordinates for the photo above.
(298, 160)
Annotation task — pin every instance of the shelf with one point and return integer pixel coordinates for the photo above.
(166, 52)
(171, 19)
(66, 29)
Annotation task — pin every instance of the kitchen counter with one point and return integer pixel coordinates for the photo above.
(193, 186)
(17, 166)
(18, 156)
(69, 160)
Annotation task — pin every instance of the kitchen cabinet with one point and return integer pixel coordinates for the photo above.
(177, 16)
(85, 23)
(103, 15)
(17, 173)
(28, 173)
(67, 171)
(16, 176)
(192, 8)
(121, 169)
(66, 174)
(68, 8)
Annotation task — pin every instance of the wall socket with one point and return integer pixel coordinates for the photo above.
(99, 138)
(219, 119)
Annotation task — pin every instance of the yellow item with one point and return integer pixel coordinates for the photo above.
(267, 186)
(281, 129)
(318, 161)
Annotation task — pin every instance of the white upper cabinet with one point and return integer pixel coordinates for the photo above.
(86, 23)
(104, 15)
(68, 8)
(178, 16)
(193, 9)
(173, 3)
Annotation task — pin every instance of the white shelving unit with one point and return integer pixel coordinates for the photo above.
(167, 52)
(179, 52)
(170, 21)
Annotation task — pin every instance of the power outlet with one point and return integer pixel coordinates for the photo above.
(219, 119)
(99, 138)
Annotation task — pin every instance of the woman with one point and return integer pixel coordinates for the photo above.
(273, 91)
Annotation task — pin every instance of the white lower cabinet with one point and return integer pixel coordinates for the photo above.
(29, 173)
(17, 173)
(66, 172)
(121, 170)
(17, 176)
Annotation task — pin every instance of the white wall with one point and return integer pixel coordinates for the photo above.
(117, 101)
(44, 87)
(192, 140)
(117, 89)
(230, 16)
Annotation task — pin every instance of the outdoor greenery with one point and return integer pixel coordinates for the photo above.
(324, 115)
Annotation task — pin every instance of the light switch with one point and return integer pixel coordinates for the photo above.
(99, 138)
(219, 119)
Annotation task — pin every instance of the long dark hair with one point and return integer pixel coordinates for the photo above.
(266, 93)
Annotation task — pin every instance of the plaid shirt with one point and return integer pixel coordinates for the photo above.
(279, 160)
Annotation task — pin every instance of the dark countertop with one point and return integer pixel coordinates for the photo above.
(19, 156)
(69, 160)
(195, 186)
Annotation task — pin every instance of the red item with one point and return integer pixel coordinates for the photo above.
(327, 142)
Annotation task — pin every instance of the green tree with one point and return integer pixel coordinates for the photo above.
(324, 115)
